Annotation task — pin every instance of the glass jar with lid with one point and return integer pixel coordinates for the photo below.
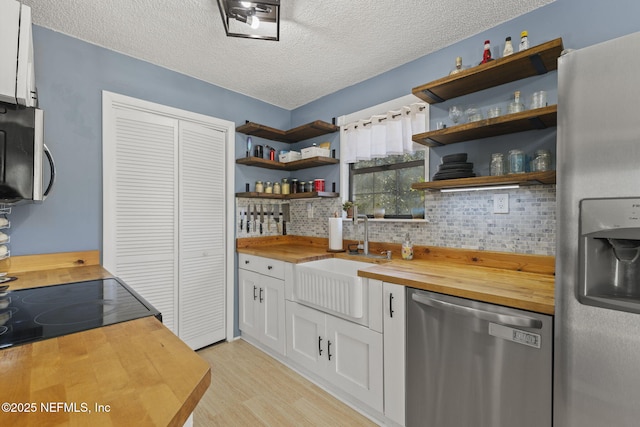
(497, 164)
(276, 187)
(268, 187)
(308, 186)
(516, 161)
(285, 186)
(294, 185)
(516, 106)
(541, 161)
(259, 187)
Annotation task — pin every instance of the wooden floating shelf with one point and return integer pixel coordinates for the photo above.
(539, 118)
(311, 162)
(528, 63)
(531, 178)
(300, 133)
(305, 195)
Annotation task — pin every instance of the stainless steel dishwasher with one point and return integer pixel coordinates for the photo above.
(475, 364)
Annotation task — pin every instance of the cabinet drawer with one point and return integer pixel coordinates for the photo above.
(266, 266)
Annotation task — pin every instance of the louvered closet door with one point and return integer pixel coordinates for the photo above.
(202, 250)
(140, 213)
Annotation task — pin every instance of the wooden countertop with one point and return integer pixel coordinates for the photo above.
(139, 370)
(517, 289)
(513, 280)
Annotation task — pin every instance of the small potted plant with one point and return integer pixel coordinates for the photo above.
(348, 208)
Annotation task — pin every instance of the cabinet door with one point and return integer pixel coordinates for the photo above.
(306, 343)
(354, 355)
(249, 284)
(394, 351)
(9, 30)
(272, 313)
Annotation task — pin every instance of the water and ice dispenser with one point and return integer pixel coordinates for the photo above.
(610, 253)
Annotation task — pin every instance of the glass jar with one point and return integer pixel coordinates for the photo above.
(318, 185)
(276, 187)
(259, 187)
(268, 187)
(516, 161)
(301, 186)
(294, 185)
(286, 187)
(542, 161)
(497, 164)
(516, 106)
(308, 186)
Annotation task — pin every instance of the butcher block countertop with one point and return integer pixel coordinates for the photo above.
(131, 373)
(513, 280)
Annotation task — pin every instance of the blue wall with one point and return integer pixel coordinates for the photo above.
(71, 74)
(580, 23)
(70, 77)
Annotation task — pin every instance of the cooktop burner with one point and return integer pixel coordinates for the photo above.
(52, 311)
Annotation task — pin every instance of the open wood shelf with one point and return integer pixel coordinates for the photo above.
(311, 162)
(539, 118)
(305, 195)
(531, 62)
(531, 178)
(300, 133)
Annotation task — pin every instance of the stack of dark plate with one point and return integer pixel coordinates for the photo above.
(454, 166)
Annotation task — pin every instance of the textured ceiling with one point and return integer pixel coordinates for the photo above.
(324, 45)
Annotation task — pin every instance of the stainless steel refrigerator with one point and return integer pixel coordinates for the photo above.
(597, 324)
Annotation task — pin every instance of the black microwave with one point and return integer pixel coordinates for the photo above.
(22, 153)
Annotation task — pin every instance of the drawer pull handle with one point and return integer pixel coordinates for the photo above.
(329, 349)
(390, 305)
(320, 346)
(269, 267)
(246, 261)
(261, 298)
(254, 293)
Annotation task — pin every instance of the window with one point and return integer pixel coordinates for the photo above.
(386, 183)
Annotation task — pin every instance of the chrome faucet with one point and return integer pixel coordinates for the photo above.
(365, 244)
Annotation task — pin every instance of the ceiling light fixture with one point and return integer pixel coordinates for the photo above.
(251, 19)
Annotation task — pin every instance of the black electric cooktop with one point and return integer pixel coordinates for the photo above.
(35, 314)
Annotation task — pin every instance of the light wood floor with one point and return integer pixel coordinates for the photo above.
(249, 388)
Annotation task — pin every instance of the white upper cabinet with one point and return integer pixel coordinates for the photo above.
(17, 76)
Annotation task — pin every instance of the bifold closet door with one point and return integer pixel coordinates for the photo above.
(201, 294)
(140, 212)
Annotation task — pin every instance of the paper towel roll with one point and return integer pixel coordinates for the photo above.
(335, 234)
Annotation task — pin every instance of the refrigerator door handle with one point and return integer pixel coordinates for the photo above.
(504, 319)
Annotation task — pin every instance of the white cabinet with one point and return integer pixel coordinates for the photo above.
(347, 355)
(17, 77)
(261, 296)
(394, 299)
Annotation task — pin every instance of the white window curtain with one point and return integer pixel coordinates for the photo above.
(385, 135)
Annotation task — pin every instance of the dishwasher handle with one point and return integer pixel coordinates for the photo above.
(505, 319)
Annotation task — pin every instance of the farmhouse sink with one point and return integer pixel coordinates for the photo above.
(332, 285)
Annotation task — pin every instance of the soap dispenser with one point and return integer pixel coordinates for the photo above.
(407, 249)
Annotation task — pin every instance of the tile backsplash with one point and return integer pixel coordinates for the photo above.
(459, 220)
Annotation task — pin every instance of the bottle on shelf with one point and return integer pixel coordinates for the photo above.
(285, 187)
(524, 41)
(458, 66)
(516, 106)
(508, 47)
(486, 56)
